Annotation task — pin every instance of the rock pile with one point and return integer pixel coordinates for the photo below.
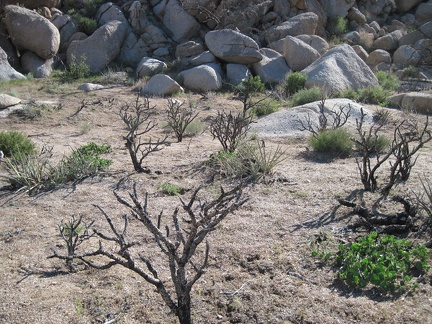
(212, 41)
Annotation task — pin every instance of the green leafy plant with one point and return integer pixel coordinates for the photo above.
(295, 82)
(85, 24)
(305, 96)
(171, 189)
(381, 260)
(16, 144)
(336, 142)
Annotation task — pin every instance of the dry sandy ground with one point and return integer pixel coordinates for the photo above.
(262, 252)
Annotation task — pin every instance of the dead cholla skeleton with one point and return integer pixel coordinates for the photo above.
(179, 117)
(338, 119)
(136, 116)
(181, 248)
(408, 138)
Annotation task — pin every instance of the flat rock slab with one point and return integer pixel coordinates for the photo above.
(420, 102)
(286, 122)
(8, 101)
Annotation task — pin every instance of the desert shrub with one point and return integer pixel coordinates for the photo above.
(348, 93)
(85, 24)
(33, 111)
(305, 96)
(336, 142)
(410, 72)
(250, 160)
(381, 260)
(34, 173)
(374, 95)
(78, 69)
(387, 80)
(295, 82)
(251, 85)
(382, 116)
(266, 107)
(336, 25)
(194, 128)
(171, 189)
(83, 162)
(16, 144)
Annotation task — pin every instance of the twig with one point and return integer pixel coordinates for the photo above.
(233, 293)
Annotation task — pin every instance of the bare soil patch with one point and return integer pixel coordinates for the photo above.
(261, 268)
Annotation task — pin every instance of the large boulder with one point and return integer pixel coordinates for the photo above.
(132, 50)
(315, 41)
(201, 78)
(305, 23)
(424, 12)
(30, 31)
(178, 21)
(7, 46)
(389, 42)
(7, 72)
(40, 68)
(340, 69)
(406, 55)
(32, 4)
(99, 49)
(232, 46)
(237, 73)
(298, 54)
(378, 56)
(66, 27)
(161, 85)
(337, 8)
(149, 66)
(406, 5)
(272, 68)
(7, 101)
(420, 102)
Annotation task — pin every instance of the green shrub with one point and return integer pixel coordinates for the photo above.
(85, 24)
(295, 82)
(349, 94)
(410, 72)
(252, 85)
(387, 81)
(78, 69)
(305, 96)
(16, 144)
(194, 128)
(336, 142)
(171, 189)
(266, 107)
(381, 260)
(336, 25)
(374, 95)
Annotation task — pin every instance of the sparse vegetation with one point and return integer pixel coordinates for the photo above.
(171, 189)
(266, 107)
(336, 25)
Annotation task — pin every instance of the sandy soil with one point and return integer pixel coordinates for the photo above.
(261, 268)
